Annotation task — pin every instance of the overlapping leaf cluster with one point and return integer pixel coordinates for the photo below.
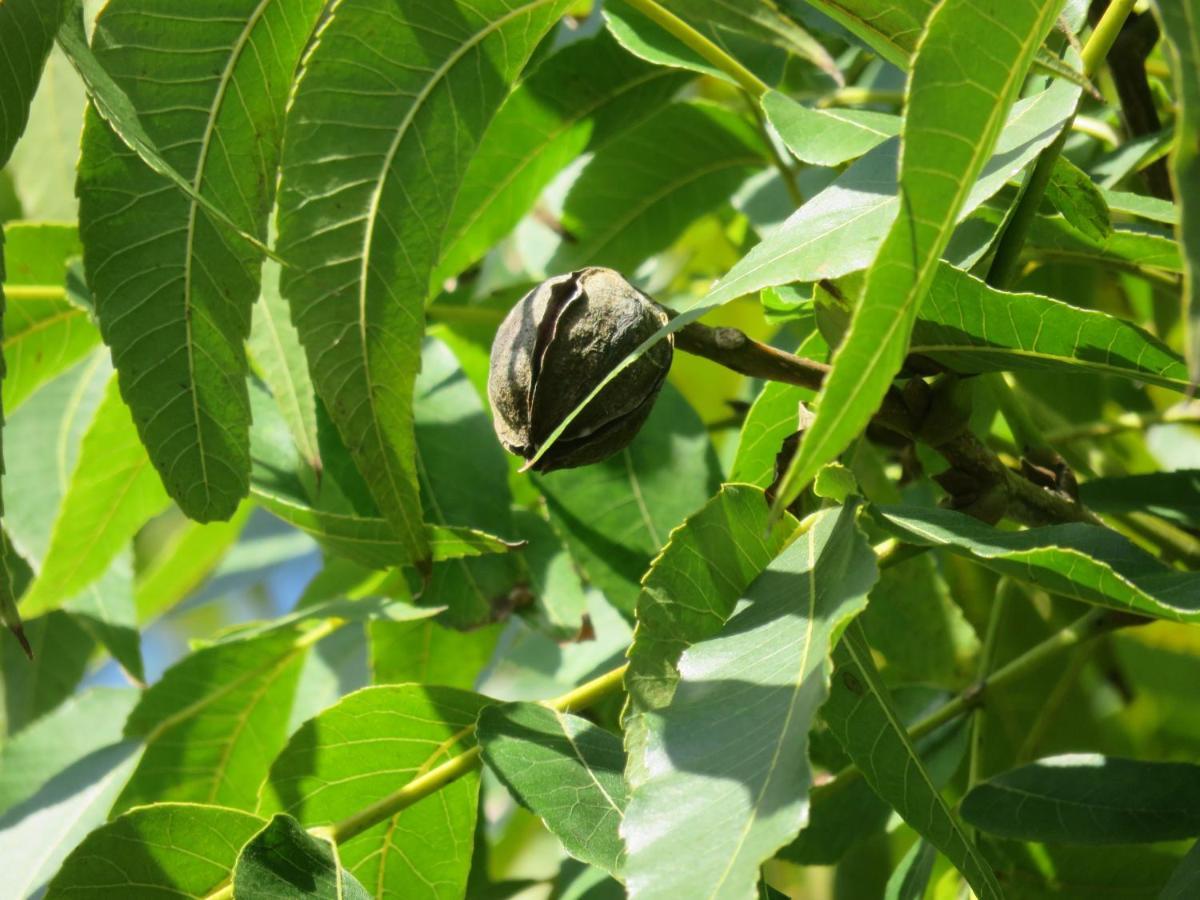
(245, 352)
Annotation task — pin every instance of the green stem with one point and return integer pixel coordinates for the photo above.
(1090, 625)
(453, 769)
(702, 45)
(987, 661)
(1016, 230)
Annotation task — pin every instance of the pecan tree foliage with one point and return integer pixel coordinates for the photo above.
(848, 541)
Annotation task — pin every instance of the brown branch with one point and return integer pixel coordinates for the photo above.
(1016, 496)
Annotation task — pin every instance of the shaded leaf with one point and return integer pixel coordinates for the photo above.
(910, 879)
(284, 860)
(1072, 192)
(972, 327)
(574, 102)
(617, 514)
(827, 137)
(1053, 238)
(861, 715)
(177, 311)
(425, 652)
(1185, 880)
(1174, 496)
(890, 28)
(61, 649)
(725, 768)
(214, 721)
(382, 124)
(129, 854)
(1181, 24)
(559, 594)
(646, 186)
(38, 834)
(85, 722)
(1085, 798)
(373, 742)
(27, 28)
(1085, 562)
(566, 770)
(952, 121)
(106, 609)
(45, 329)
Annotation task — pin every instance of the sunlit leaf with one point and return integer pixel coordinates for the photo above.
(827, 137)
(84, 722)
(45, 329)
(106, 608)
(214, 721)
(112, 492)
(1073, 193)
(1086, 798)
(174, 302)
(128, 855)
(1085, 562)
(36, 835)
(382, 125)
(725, 770)
(951, 123)
(566, 770)
(369, 744)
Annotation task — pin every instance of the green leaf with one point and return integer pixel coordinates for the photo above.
(43, 163)
(566, 770)
(28, 28)
(106, 609)
(37, 835)
(1174, 496)
(646, 186)
(1181, 27)
(1152, 208)
(383, 122)
(972, 327)
(128, 857)
(773, 416)
(714, 555)
(369, 744)
(214, 721)
(1185, 880)
(284, 860)
(726, 775)
(1054, 239)
(187, 558)
(952, 121)
(827, 137)
(846, 814)
(84, 723)
(911, 877)
(841, 229)
(45, 329)
(1072, 192)
(861, 715)
(575, 102)
(464, 483)
(889, 27)
(274, 346)
(113, 491)
(1085, 562)
(1085, 798)
(177, 312)
(424, 652)
(62, 649)
(559, 595)
(57, 417)
(616, 515)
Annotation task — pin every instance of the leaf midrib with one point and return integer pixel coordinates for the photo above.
(189, 240)
(402, 131)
